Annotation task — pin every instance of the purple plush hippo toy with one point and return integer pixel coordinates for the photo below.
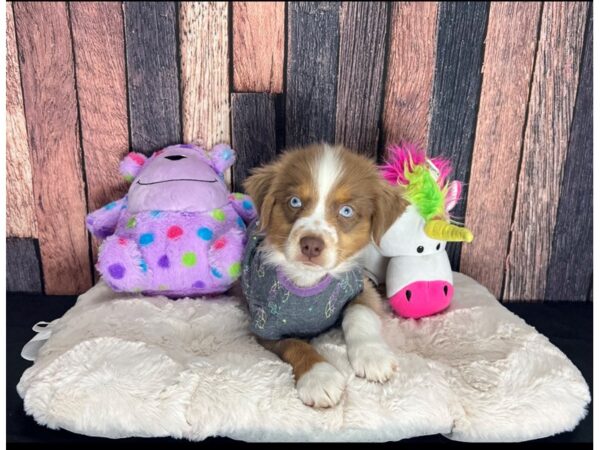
(178, 231)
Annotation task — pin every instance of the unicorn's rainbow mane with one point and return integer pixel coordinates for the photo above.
(407, 156)
(407, 165)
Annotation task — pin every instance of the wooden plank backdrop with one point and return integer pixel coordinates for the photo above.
(152, 74)
(99, 49)
(363, 29)
(410, 66)
(556, 76)
(503, 89)
(455, 98)
(507, 71)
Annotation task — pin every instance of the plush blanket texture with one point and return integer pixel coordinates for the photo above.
(120, 365)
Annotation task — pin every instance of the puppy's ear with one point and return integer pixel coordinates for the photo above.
(258, 187)
(389, 205)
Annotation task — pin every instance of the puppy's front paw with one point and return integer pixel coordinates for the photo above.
(373, 361)
(322, 386)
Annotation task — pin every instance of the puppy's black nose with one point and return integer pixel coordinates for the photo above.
(311, 246)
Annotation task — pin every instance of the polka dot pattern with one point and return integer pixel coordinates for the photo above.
(199, 284)
(247, 204)
(143, 266)
(146, 239)
(240, 223)
(216, 272)
(218, 214)
(116, 271)
(220, 243)
(234, 269)
(164, 262)
(205, 233)
(110, 206)
(155, 214)
(189, 259)
(174, 232)
(131, 222)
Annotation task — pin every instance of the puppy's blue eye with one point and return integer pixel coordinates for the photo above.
(295, 202)
(346, 211)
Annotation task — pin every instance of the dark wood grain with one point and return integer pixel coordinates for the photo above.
(507, 69)
(312, 65)
(254, 139)
(152, 74)
(22, 266)
(258, 46)
(20, 204)
(410, 68)
(571, 262)
(363, 30)
(456, 87)
(47, 73)
(551, 105)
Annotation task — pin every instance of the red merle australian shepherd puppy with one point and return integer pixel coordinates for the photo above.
(319, 206)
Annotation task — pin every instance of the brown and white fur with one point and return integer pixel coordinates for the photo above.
(325, 179)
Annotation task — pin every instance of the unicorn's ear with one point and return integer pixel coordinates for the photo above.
(453, 195)
(131, 165)
(222, 157)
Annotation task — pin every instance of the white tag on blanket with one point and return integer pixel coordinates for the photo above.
(43, 332)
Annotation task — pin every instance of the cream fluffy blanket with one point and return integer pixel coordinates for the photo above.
(120, 366)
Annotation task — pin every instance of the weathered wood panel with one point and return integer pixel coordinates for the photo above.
(46, 57)
(571, 262)
(410, 67)
(551, 105)
(456, 87)
(204, 45)
(258, 46)
(20, 207)
(22, 266)
(254, 138)
(152, 75)
(363, 30)
(312, 65)
(507, 69)
(99, 48)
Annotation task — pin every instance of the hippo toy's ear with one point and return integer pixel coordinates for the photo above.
(222, 157)
(131, 165)
(453, 195)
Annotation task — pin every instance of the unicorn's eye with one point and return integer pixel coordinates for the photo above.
(437, 247)
(295, 202)
(346, 211)
(420, 249)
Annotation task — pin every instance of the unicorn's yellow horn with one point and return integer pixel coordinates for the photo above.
(444, 231)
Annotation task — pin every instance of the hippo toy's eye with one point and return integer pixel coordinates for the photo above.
(346, 211)
(420, 249)
(175, 157)
(295, 202)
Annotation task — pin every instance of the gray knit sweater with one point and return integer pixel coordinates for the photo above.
(280, 309)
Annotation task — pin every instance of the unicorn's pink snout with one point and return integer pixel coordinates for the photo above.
(422, 298)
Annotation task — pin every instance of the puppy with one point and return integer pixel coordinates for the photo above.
(319, 206)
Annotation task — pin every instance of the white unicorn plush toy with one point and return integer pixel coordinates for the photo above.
(411, 255)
